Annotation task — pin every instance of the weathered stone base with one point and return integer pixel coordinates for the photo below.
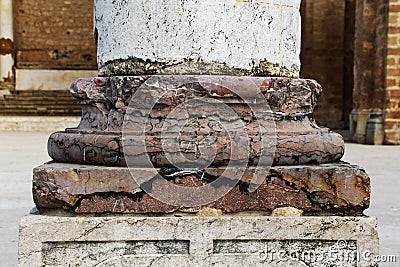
(198, 241)
(326, 189)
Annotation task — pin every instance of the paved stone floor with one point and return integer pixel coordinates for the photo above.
(22, 151)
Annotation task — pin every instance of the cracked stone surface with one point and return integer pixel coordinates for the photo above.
(315, 189)
(196, 241)
(216, 37)
(228, 121)
(103, 149)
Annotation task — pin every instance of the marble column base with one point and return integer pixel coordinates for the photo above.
(239, 117)
(107, 149)
(198, 241)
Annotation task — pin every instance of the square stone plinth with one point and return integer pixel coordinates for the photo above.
(198, 241)
(326, 189)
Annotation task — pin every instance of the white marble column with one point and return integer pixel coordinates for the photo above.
(231, 37)
(7, 37)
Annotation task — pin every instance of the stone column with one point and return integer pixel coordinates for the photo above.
(199, 37)
(199, 113)
(6, 41)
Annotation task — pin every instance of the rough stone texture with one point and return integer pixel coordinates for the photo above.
(280, 118)
(284, 95)
(321, 189)
(107, 149)
(197, 241)
(195, 37)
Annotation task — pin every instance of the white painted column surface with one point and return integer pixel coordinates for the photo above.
(6, 40)
(235, 37)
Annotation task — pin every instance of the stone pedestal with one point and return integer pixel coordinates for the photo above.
(198, 241)
(191, 120)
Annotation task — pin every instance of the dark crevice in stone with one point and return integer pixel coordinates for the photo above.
(330, 209)
(170, 174)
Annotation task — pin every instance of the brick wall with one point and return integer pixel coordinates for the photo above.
(370, 57)
(370, 54)
(56, 34)
(392, 118)
(323, 49)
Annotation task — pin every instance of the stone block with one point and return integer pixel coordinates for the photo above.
(315, 189)
(198, 241)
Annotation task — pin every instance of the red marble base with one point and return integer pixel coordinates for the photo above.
(214, 119)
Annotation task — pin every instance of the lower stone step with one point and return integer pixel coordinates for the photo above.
(198, 241)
